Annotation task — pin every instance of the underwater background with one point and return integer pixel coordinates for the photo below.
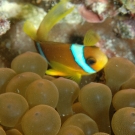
(35, 99)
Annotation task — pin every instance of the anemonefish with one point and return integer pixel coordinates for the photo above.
(69, 60)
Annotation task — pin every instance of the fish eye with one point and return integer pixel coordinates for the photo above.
(90, 60)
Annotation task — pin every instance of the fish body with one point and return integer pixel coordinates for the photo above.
(69, 60)
(72, 59)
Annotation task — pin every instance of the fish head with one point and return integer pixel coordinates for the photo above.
(95, 58)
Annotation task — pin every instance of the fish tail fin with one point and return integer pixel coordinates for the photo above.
(58, 12)
(91, 38)
(30, 30)
(62, 70)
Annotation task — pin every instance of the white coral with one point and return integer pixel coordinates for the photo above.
(99, 7)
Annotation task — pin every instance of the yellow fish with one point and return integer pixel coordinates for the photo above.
(68, 60)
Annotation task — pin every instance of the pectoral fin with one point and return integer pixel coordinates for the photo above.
(91, 38)
(62, 70)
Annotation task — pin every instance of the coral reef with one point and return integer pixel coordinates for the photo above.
(116, 30)
(4, 25)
